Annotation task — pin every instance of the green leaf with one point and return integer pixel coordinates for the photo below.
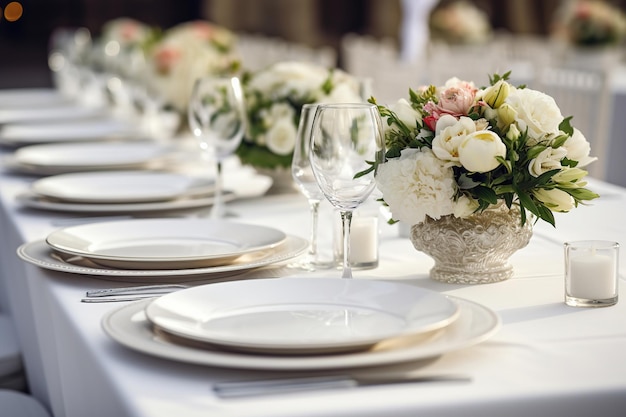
(486, 194)
(566, 127)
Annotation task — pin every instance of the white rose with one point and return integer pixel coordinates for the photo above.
(547, 160)
(478, 151)
(449, 137)
(281, 138)
(555, 199)
(416, 185)
(578, 149)
(536, 111)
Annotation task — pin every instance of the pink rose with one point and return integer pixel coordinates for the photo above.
(457, 100)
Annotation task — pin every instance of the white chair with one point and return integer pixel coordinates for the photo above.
(18, 404)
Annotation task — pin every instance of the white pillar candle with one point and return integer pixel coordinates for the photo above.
(592, 276)
(364, 240)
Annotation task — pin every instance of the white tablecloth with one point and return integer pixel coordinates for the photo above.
(548, 359)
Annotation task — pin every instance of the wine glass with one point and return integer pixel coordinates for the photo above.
(217, 118)
(303, 176)
(347, 143)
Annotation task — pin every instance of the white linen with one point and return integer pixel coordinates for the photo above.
(548, 359)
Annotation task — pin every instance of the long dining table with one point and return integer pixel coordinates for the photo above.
(546, 359)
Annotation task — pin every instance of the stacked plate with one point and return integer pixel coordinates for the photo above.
(301, 324)
(119, 192)
(61, 158)
(19, 134)
(162, 250)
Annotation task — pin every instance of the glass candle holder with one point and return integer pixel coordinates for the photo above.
(591, 273)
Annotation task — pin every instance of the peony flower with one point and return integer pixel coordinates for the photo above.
(547, 160)
(578, 149)
(416, 185)
(555, 199)
(536, 111)
(450, 133)
(478, 151)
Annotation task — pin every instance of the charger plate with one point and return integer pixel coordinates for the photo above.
(301, 315)
(129, 326)
(40, 254)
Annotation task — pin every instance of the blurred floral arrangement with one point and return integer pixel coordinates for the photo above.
(589, 23)
(274, 100)
(458, 149)
(460, 22)
(186, 52)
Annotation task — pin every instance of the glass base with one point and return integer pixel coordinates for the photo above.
(584, 302)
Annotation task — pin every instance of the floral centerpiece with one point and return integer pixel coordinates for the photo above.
(127, 32)
(590, 23)
(460, 22)
(186, 52)
(274, 99)
(458, 151)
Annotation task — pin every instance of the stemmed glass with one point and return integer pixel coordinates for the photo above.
(347, 143)
(217, 118)
(303, 176)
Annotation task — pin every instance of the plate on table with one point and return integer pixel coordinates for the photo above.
(58, 111)
(119, 187)
(65, 131)
(301, 315)
(30, 97)
(40, 254)
(163, 243)
(130, 327)
(32, 200)
(59, 158)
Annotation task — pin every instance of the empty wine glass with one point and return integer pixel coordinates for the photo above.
(347, 143)
(217, 118)
(304, 178)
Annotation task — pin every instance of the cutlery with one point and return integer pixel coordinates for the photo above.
(118, 298)
(235, 389)
(137, 290)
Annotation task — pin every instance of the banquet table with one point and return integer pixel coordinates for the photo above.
(546, 359)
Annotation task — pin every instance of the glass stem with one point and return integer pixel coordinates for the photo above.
(346, 220)
(216, 212)
(314, 205)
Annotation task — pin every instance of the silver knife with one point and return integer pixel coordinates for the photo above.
(235, 389)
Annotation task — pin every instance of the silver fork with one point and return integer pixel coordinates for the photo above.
(137, 290)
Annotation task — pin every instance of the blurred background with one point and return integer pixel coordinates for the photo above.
(26, 25)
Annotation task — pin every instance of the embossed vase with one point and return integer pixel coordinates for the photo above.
(473, 250)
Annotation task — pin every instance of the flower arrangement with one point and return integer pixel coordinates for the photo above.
(127, 32)
(460, 23)
(274, 100)
(186, 52)
(590, 23)
(458, 149)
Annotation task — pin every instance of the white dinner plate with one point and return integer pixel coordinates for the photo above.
(119, 186)
(163, 243)
(88, 156)
(40, 254)
(66, 131)
(58, 111)
(129, 326)
(31, 97)
(301, 315)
